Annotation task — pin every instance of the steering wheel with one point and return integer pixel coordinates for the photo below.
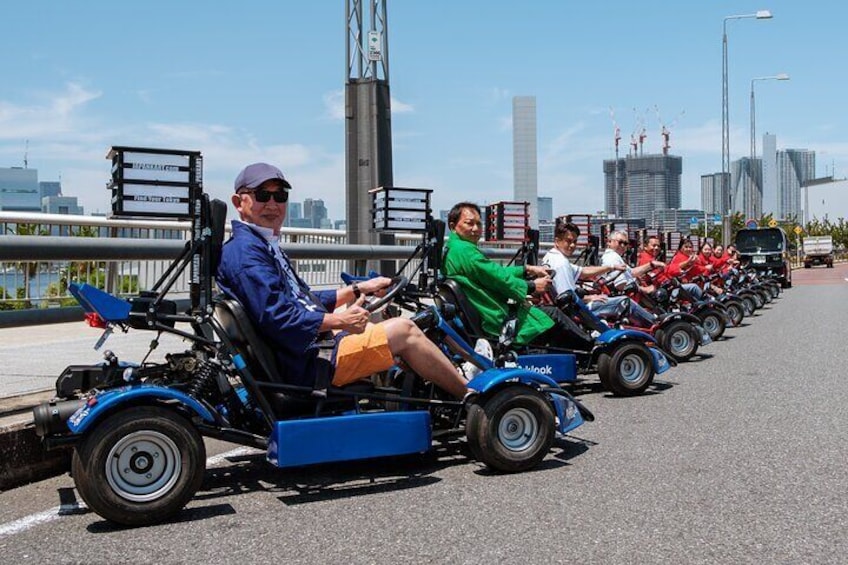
(398, 284)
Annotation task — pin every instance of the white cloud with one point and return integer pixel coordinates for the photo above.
(57, 115)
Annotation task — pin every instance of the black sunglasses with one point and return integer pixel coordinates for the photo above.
(263, 196)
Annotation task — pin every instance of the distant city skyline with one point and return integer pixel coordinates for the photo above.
(63, 105)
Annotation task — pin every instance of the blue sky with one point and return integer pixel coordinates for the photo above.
(263, 80)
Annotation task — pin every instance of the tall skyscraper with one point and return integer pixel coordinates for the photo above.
(615, 181)
(524, 157)
(769, 158)
(546, 209)
(745, 187)
(774, 184)
(713, 197)
(314, 211)
(794, 168)
(646, 183)
(294, 211)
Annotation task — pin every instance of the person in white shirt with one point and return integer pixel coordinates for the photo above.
(565, 274)
(616, 245)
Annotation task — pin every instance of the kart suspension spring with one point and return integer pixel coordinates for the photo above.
(203, 385)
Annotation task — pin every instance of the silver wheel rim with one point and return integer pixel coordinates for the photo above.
(711, 325)
(518, 429)
(632, 368)
(680, 342)
(736, 314)
(143, 466)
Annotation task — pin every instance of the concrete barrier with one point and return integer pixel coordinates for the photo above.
(24, 458)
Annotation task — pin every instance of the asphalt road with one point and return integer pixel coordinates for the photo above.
(738, 457)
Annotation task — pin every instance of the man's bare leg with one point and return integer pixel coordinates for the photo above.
(408, 342)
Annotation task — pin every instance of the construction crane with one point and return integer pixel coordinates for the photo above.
(637, 138)
(619, 200)
(665, 131)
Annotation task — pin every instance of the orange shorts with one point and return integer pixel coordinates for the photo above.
(361, 355)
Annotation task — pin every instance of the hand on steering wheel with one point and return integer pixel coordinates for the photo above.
(398, 284)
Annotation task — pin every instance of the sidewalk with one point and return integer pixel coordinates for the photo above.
(31, 358)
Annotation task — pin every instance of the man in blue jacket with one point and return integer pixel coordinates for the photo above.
(254, 270)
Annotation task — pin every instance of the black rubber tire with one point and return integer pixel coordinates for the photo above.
(511, 431)
(672, 340)
(714, 323)
(628, 371)
(735, 311)
(758, 299)
(150, 489)
(750, 305)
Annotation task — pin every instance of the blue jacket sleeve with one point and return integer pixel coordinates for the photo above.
(283, 320)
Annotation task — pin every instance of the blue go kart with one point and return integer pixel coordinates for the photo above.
(137, 429)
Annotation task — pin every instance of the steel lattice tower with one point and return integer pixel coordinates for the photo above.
(368, 131)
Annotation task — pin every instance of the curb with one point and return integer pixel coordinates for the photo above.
(25, 459)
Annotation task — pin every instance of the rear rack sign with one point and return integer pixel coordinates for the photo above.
(163, 183)
(400, 209)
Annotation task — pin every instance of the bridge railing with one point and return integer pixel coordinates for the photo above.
(41, 253)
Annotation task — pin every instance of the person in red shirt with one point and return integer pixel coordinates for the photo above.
(719, 258)
(650, 254)
(704, 259)
(726, 260)
(683, 266)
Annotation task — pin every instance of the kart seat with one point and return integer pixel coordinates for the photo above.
(260, 358)
(449, 292)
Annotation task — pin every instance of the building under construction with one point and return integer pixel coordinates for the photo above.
(635, 186)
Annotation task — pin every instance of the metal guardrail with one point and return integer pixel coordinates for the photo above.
(41, 253)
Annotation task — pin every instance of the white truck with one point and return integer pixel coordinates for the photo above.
(818, 250)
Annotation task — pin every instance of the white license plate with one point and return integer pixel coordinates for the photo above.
(759, 259)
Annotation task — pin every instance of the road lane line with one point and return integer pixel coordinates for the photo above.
(27, 522)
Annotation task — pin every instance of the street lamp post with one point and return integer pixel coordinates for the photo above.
(725, 116)
(781, 76)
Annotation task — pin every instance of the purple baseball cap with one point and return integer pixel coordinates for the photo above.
(253, 175)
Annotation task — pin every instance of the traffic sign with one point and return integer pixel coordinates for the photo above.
(693, 220)
(717, 218)
(772, 223)
(751, 224)
(798, 230)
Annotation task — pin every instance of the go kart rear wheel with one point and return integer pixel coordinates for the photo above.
(511, 431)
(680, 339)
(139, 466)
(627, 371)
(713, 323)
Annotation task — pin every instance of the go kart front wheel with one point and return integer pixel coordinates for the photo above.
(627, 371)
(680, 339)
(735, 311)
(713, 323)
(139, 466)
(512, 431)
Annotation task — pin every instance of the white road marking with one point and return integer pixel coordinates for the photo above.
(27, 522)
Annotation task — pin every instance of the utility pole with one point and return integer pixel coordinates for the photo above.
(368, 124)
